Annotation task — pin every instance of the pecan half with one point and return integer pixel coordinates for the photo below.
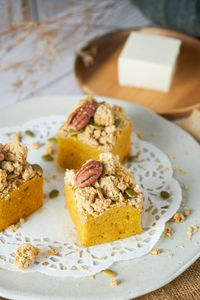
(89, 173)
(81, 116)
(1, 156)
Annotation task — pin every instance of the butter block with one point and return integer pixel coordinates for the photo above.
(148, 61)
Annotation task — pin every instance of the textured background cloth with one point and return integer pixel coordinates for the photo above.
(185, 287)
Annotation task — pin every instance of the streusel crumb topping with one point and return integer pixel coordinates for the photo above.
(112, 188)
(104, 127)
(14, 169)
(25, 255)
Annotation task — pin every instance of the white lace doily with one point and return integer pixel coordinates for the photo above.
(51, 226)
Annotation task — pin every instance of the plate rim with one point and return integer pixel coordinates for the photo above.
(15, 294)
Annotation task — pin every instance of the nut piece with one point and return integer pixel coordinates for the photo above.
(1, 156)
(89, 173)
(81, 116)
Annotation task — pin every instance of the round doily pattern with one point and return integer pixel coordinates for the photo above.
(51, 226)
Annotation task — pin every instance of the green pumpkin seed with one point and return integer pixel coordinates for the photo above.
(97, 127)
(102, 102)
(164, 195)
(52, 140)
(117, 122)
(53, 194)
(47, 157)
(11, 176)
(29, 133)
(115, 175)
(130, 192)
(133, 158)
(100, 194)
(75, 132)
(38, 169)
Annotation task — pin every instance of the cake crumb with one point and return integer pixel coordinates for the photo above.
(186, 212)
(155, 251)
(181, 245)
(175, 167)
(49, 149)
(190, 231)
(186, 171)
(178, 217)
(92, 277)
(7, 134)
(179, 171)
(54, 177)
(25, 255)
(53, 252)
(170, 255)
(36, 145)
(22, 220)
(45, 263)
(168, 232)
(17, 137)
(139, 134)
(113, 282)
(14, 227)
(186, 187)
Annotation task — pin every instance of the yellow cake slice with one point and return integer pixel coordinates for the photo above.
(21, 184)
(103, 201)
(93, 128)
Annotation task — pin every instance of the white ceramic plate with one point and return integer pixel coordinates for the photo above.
(138, 276)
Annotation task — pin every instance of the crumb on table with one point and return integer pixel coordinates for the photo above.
(113, 282)
(186, 212)
(178, 218)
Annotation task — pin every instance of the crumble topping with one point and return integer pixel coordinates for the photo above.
(108, 190)
(103, 130)
(14, 169)
(25, 255)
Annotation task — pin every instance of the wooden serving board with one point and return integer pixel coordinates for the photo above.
(100, 77)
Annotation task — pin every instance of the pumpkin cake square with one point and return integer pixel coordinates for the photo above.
(93, 128)
(103, 201)
(21, 184)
